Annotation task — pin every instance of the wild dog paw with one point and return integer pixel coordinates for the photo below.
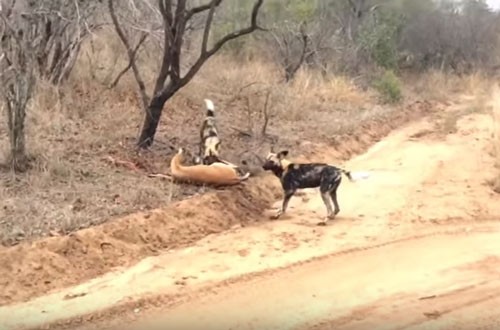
(331, 216)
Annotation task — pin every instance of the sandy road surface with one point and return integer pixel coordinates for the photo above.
(347, 289)
(423, 226)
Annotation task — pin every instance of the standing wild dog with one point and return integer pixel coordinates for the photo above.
(295, 176)
(209, 137)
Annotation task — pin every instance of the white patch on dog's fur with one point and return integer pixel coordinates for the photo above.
(358, 176)
(209, 104)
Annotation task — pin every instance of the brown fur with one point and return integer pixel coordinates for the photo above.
(217, 174)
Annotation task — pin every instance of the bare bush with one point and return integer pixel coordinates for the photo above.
(38, 39)
(459, 36)
(291, 47)
(62, 26)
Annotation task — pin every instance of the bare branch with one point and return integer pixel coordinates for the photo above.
(130, 62)
(130, 53)
(168, 37)
(206, 54)
(292, 69)
(208, 26)
(202, 8)
(265, 113)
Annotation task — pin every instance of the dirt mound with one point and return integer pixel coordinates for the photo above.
(61, 261)
(32, 269)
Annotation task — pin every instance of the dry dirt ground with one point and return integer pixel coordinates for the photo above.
(416, 245)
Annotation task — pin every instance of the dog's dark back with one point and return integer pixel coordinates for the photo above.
(305, 175)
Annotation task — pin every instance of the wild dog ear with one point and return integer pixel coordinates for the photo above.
(217, 145)
(282, 154)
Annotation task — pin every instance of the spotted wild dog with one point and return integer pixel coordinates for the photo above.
(209, 140)
(217, 174)
(209, 137)
(295, 176)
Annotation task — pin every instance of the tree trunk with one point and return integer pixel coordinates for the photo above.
(152, 119)
(18, 159)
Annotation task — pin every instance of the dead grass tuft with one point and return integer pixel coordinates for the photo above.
(444, 87)
(496, 135)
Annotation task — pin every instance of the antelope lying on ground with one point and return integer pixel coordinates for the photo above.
(217, 174)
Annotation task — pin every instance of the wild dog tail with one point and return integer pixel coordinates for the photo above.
(355, 176)
(347, 174)
(210, 108)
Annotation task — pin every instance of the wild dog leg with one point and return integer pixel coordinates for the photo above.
(325, 196)
(284, 206)
(333, 194)
(336, 210)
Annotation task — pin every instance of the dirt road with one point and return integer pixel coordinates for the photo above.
(415, 246)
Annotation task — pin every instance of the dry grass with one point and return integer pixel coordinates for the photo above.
(74, 132)
(72, 186)
(496, 134)
(440, 86)
(467, 94)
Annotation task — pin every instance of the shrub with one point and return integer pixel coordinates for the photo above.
(389, 86)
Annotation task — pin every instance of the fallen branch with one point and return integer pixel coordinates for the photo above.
(163, 176)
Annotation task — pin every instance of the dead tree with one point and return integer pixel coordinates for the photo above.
(176, 17)
(18, 65)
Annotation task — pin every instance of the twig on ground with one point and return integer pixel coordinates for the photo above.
(159, 175)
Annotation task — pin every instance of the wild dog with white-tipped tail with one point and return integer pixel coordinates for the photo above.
(294, 176)
(209, 137)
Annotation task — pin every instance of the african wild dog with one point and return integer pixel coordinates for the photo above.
(209, 152)
(294, 176)
(209, 137)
